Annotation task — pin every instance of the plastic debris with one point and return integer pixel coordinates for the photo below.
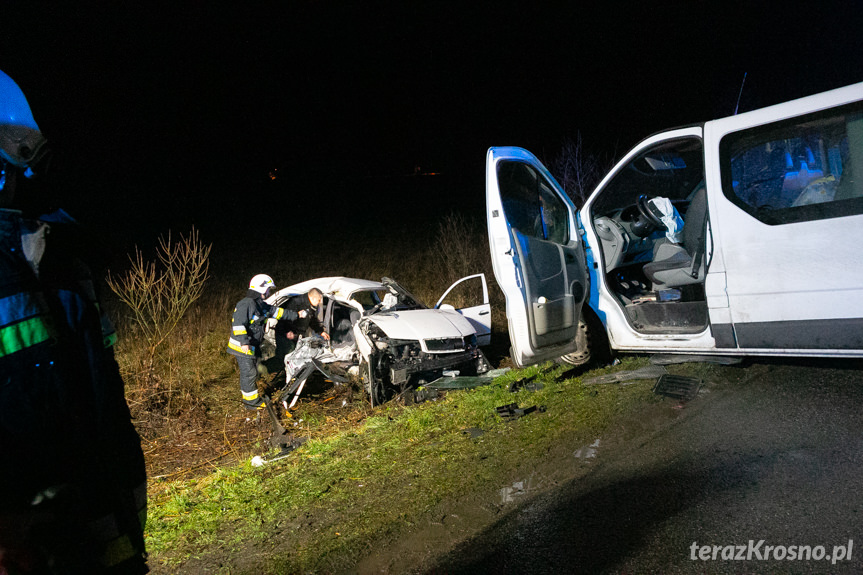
(528, 383)
(512, 411)
(649, 372)
(466, 381)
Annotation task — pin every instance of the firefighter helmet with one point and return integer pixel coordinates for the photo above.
(261, 283)
(21, 141)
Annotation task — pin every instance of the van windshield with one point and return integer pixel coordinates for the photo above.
(672, 170)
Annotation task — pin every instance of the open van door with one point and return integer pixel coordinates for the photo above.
(537, 255)
(478, 315)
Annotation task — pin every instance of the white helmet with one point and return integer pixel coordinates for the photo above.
(21, 141)
(261, 283)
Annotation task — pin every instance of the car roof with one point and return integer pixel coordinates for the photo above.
(337, 285)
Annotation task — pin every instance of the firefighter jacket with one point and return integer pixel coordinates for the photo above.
(308, 325)
(73, 468)
(248, 323)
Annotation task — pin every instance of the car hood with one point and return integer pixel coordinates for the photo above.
(423, 324)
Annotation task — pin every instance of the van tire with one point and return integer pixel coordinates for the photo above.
(593, 345)
(584, 339)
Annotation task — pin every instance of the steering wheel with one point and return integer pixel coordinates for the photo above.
(647, 213)
(646, 222)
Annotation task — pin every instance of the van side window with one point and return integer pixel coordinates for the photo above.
(797, 170)
(530, 203)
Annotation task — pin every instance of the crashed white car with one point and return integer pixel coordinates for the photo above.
(768, 260)
(386, 337)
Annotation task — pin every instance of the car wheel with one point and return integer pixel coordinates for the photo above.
(373, 386)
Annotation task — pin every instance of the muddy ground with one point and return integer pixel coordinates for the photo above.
(197, 442)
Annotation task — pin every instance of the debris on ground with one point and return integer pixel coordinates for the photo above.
(466, 381)
(287, 449)
(626, 377)
(528, 383)
(424, 393)
(679, 387)
(587, 452)
(473, 432)
(675, 358)
(512, 411)
(509, 493)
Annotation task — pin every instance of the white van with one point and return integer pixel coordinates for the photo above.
(769, 260)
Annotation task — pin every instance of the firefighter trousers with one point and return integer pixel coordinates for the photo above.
(249, 381)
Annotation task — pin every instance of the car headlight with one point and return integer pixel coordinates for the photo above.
(376, 335)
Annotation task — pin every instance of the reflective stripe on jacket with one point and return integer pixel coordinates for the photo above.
(24, 322)
(248, 323)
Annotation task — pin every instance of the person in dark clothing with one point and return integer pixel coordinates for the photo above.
(73, 489)
(310, 324)
(247, 332)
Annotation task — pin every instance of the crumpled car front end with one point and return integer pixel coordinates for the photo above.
(406, 348)
(388, 340)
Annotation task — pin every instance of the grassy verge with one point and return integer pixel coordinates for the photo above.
(327, 505)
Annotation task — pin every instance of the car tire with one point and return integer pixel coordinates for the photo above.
(376, 393)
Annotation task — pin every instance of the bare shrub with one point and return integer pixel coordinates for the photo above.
(578, 170)
(459, 249)
(159, 293)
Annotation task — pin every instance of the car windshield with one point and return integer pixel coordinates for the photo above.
(393, 297)
(404, 298)
(369, 298)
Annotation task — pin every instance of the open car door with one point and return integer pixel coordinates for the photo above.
(479, 316)
(537, 255)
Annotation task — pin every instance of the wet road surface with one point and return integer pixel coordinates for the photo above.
(776, 455)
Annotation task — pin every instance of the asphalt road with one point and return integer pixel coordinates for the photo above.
(773, 457)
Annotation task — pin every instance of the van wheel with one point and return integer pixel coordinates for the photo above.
(584, 339)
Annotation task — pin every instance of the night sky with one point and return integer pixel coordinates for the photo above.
(169, 113)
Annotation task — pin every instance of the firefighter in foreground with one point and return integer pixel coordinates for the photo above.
(247, 332)
(73, 483)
